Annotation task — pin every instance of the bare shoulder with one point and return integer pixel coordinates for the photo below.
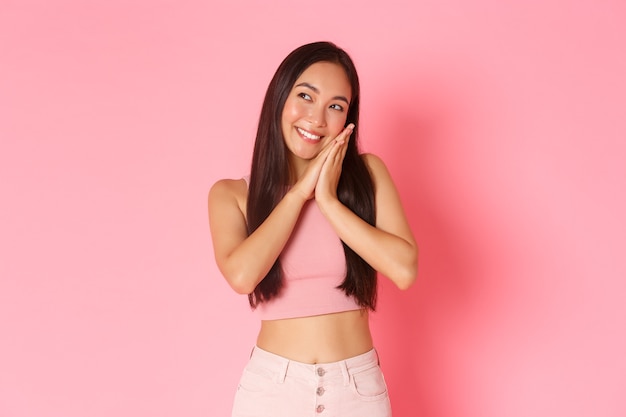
(390, 213)
(236, 187)
(370, 159)
(377, 167)
(229, 192)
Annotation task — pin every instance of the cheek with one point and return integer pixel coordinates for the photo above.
(293, 110)
(337, 122)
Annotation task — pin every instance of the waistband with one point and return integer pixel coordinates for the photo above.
(282, 367)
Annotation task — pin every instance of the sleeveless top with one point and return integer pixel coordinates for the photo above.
(313, 265)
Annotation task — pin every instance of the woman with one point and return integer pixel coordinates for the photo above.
(304, 236)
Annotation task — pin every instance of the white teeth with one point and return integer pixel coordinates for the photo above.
(308, 135)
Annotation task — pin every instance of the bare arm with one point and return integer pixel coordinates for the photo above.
(245, 260)
(389, 247)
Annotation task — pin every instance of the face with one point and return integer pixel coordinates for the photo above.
(316, 110)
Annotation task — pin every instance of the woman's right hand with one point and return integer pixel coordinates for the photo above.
(305, 186)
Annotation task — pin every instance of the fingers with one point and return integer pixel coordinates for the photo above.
(326, 166)
(338, 146)
(342, 140)
(334, 159)
(335, 147)
(345, 134)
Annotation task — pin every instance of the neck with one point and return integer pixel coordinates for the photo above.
(296, 169)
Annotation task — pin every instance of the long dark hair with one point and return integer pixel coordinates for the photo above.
(270, 175)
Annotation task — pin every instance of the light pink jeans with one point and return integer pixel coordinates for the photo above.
(273, 386)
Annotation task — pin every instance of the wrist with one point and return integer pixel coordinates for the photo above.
(295, 197)
(328, 204)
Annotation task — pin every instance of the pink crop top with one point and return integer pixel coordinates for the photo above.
(314, 265)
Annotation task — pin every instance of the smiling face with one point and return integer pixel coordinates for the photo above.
(315, 111)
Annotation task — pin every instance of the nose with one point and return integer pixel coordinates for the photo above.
(317, 115)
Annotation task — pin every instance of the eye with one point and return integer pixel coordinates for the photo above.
(304, 96)
(336, 107)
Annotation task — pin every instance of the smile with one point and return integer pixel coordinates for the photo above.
(308, 135)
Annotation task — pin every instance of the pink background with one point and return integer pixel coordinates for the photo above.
(503, 123)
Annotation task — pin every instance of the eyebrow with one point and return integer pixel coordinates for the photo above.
(317, 91)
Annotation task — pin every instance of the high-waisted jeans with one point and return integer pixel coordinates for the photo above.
(273, 386)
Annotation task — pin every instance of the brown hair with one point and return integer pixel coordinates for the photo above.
(269, 175)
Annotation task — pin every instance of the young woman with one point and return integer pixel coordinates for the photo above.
(304, 235)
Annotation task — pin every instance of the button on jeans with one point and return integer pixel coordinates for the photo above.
(273, 386)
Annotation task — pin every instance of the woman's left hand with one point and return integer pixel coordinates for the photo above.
(326, 188)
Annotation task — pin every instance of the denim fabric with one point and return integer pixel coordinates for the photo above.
(278, 387)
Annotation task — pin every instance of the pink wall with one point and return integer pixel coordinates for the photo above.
(502, 122)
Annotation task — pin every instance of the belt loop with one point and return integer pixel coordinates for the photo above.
(283, 371)
(345, 372)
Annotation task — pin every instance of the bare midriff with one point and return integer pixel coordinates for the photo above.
(318, 339)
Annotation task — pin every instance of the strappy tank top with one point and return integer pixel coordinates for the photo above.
(313, 265)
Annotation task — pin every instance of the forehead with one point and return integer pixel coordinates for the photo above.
(328, 78)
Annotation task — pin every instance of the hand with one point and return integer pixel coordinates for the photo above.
(305, 186)
(326, 188)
